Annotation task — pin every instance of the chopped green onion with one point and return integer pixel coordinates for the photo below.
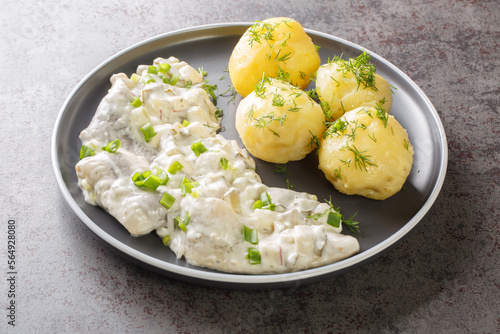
(162, 175)
(86, 151)
(264, 203)
(112, 146)
(257, 204)
(187, 186)
(146, 180)
(136, 102)
(182, 223)
(147, 79)
(253, 255)
(334, 219)
(148, 131)
(165, 240)
(250, 235)
(138, 178)
(172, 81)
(164, 67)
(175, 167)
(224, 163)
(152, 182)
(135, 77)
(167, 200)
(152, 69)
(185, 123)
(198, 148)
(202, 71)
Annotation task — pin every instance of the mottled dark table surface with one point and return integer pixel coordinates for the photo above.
(443, 278)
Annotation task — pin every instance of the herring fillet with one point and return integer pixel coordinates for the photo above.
(221, 200)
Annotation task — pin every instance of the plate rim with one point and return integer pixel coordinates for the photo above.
(251, 280)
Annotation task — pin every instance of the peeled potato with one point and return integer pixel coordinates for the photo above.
(366, 152)
(279, 122)
(345, 85)
(278, 47)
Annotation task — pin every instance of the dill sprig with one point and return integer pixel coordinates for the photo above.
(335, 217)
(361, 67)
(361, 159)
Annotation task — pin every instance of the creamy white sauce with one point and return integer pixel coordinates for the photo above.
(221, 203)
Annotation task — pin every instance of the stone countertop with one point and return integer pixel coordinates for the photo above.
(443, 278)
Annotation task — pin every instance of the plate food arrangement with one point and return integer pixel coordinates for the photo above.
(151, 151)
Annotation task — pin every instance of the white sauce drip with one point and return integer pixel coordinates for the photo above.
(221, 204)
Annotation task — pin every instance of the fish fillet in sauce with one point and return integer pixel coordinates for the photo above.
(206, 221)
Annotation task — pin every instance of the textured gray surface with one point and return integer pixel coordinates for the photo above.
(444, 278)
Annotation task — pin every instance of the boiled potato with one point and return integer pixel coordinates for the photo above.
(278, 47)
(366, 152)
(344, 85)
(279, 122)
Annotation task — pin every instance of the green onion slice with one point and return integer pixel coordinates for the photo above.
(148, 131)
(152, 182)
(162, 175)
(253, 255)
(175, 167)
(167, 200)
(135, 77)
(250, 235)
(264, 203)
(187, 186)
(164, 67)
(152, 69)
(136, 102)
(224, 163)
(165, 240)
(334, 219)
(182, 223)
(172, 81)
(147, 79)
(185, 123)
(146, 180)
(112, 146)
(138, 178)
(86, 151)
(198, 148)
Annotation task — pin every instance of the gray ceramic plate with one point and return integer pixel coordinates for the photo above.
(383, 223)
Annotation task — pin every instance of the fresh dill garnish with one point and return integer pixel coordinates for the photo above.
(210, 89)
(289, 185)
(325, 106)
(372, 137)
(278, 100)
(334, 127)
(406, 144)
(282, 75)
(230, 91)
(335, 218)
(260, 30)
(202, 72)
(219, 113)
(284, 57)
(381, 113)
(281, 168)
(285, 41)
(361, 67)
(313, 94)
(338, 173)
(294, 107)
(361, 159)
(260, 89)
(314, 142)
